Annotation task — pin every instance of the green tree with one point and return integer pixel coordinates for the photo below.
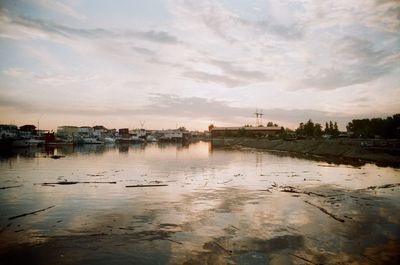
(317, 130)
(335, 131)
(369, 128)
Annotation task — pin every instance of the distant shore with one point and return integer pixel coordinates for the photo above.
(343, 149)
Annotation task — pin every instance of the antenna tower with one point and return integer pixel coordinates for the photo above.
(259, 115)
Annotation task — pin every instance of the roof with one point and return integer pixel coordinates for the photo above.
(28, 126)
(271, 128)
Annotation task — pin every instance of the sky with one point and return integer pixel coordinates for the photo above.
(192, 63)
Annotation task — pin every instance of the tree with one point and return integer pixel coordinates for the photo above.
(309, 128)
(317, 130)
(210, 127)
(369, 128)
(300, 129)
(335, 131)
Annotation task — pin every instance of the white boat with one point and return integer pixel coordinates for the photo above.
(90, 140)
(108, 140)
(130, 140)
(26, 142)
(151, 139)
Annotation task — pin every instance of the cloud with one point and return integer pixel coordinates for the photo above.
(232, 27)
(190, 108)
(47, 29)
(303, 43)
(143, 51)
(356, 61)
(236, 71)
(62, 8)
(53, 78)
(156, 36)
(225, 80)
(14, 72)
(233, 75)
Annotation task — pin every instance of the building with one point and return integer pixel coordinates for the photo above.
(245, 131)
(67, 131)
(26, 131)
(85, 130)
(100, 131)
(28, 128)
(8, 131)
(123, 131)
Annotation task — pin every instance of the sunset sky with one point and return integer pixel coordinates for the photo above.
(192, 63)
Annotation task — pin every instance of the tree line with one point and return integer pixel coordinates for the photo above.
(358, 128)
(375, 127)
(311, 129)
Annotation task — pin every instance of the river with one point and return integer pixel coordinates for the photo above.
(215, 206)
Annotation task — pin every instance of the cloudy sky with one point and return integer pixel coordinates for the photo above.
(192, 63)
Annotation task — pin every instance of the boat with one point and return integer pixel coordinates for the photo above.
(108, 140)
(151, 139)
(174, 136)
(130, 140)
(90, 140)
(25, 142)
(50, 139)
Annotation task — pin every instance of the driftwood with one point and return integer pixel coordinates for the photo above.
(235, 227)
(76, 182)
(126, 228)
(291, 189)
(9, 187)
(304, 259)
(326, 212)
(228, 251)
(25, 214)
(177, 242)
(56, 156)
(146, 185)
(225, 181)
(386, 186)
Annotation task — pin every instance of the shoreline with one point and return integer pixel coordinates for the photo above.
(344, 150)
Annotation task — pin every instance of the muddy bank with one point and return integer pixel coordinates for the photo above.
(343, 149)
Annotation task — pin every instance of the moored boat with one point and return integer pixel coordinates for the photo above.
(25, 143)
(90, 140)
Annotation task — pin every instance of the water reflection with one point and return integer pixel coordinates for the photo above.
(220, 207)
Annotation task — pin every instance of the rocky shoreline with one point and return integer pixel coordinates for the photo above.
(343, 149)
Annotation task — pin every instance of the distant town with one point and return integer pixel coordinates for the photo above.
(30, 135)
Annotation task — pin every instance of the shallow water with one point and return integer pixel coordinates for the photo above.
(220, 207)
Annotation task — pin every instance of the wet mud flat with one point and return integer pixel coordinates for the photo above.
(230, 225)
(196, 206)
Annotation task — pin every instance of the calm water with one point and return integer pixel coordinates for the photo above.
(220, 207)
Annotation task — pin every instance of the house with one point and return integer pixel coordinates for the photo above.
(26, 131)
(67, 131)
(8, 131)
(85, 131)
(245, 131)
(99, 131)
(28, 128)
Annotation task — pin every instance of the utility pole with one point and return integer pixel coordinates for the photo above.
(259, 115)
